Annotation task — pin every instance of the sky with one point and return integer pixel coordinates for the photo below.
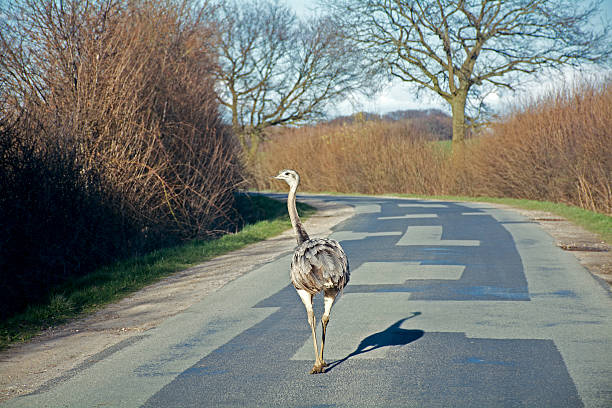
(400, 96)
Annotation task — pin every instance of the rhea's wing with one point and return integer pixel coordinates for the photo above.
(319, 264)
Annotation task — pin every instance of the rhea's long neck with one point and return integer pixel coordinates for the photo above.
(298, 228)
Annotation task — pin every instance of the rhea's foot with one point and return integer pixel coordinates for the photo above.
(318, 368)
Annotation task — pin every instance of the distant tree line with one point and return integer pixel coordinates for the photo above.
(432, 124)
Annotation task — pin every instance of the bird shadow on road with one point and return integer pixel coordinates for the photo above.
(391, 336)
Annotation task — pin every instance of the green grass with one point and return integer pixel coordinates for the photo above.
(444, 146)
(264, 217)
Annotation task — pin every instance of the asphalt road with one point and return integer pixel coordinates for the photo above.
(449, 305)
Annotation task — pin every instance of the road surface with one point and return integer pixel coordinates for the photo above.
(449, 305)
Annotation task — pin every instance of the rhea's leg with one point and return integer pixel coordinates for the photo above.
(307, 300)
(329, 298)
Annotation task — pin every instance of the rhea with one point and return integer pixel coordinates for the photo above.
(318, 264)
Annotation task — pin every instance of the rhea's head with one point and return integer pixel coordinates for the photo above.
(290, 176)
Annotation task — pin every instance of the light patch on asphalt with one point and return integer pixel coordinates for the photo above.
(408, 216)
(352, 236)
(367, 208)
(383, 273)
(431, 236)
(423, 205)
(347, 330)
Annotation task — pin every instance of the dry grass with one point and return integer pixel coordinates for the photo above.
(363, 157)
(130, 85)
(557, 148)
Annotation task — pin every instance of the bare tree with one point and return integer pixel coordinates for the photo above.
(277, 70)
(460, 49)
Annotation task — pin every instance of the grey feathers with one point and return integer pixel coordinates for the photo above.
(319, 264)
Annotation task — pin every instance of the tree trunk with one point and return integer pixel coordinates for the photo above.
(249, 143)
(458, 111)
(256, 138)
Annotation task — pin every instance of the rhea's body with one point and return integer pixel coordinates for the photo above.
(318, 264)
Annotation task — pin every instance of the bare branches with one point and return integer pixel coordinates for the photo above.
(129, 85)
(277, 70)
(456, 48)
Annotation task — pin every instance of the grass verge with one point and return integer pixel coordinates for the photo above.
(265, 218)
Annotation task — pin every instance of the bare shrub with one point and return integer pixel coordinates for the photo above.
(130, 84)
(558, 148)
(56, 220)
(115, 144)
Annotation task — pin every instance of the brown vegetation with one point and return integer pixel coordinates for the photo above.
(431, 124)
(558, 148)
(111, 138)
(370, 157)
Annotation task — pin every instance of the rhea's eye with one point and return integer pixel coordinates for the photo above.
(286, 173)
